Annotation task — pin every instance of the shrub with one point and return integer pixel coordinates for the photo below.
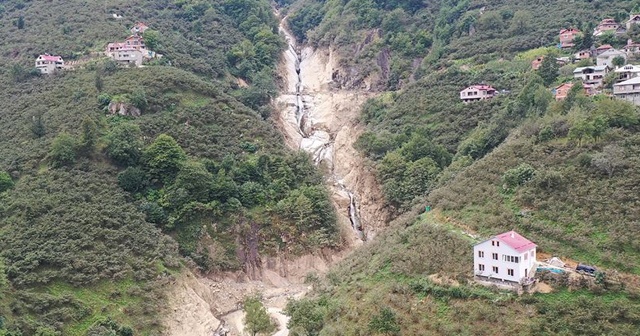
(164, 158)
(124, 144)
(63, 150)
(6, 182)
(132, 179)
(518, 176)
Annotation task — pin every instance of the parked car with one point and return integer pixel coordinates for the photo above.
(586, 269)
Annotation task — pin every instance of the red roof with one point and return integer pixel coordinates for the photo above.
(48, 57)
(604, 46)
(516, 241)
(570, 30)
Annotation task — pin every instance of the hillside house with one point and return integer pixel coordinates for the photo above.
(131, 51)
(633, 20)
(603, 48)
(606, 25)
(582, 54)
(135, 41)
(567, 36)
(560, 92)
(129, 56)
(48, 64)
(139, 28)
(508, 257)
(477, 92)
(632, 49)
(591, 76)
(628, 90)
(627, 72)
(536, 63)
(607, 57)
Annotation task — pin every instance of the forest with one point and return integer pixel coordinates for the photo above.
(99, 211)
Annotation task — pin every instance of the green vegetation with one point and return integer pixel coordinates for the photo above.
(390, 287)
(257, 320)
(99, 211)
(561, 173)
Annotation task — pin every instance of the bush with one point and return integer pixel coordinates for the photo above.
(124, 144)
(518, 176)
(63, 150)
(132, 179)
(6, 182)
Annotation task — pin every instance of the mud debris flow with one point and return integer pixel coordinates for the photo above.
(315, 137)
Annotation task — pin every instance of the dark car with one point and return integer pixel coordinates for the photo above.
(586, 269)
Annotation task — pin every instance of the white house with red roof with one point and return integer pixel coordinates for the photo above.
(48, 64)
(477, 92)
(507, 257)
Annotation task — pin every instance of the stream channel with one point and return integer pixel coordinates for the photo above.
(314, 136)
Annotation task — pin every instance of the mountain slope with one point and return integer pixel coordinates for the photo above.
(100, 212)
(560, 172)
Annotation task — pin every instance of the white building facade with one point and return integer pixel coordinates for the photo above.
(507, 257)
(48, 64)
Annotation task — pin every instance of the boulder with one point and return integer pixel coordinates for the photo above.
(124, 109)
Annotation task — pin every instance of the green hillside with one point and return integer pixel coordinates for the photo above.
(98, 212)
(564, 174)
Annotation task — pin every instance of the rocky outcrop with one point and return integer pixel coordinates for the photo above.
(124, 109)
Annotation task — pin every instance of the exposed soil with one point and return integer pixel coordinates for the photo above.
(201, 305)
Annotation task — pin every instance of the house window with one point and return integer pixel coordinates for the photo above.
(495, 269)
(510, 272)
(495, 256)
(525, 256)
(531, 254)
(493, 243)
(498, 243)
(480, 254)
(481, 267)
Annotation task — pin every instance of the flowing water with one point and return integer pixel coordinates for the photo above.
(315, 137)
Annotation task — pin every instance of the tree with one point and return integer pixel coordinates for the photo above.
(20, 22)
(139, 99)
(306, 316)
(195, 179)
(164, 158)
(519, 175)
(151, 39)
(98, 81)
(520, 23)
(256, 319)
(548, 69)
(618, 61)
(132, 179)
(385, 323)
(89, 136)
(124, 144)
(6, 182)
(609, 160)
(37, 126)
(63, 150)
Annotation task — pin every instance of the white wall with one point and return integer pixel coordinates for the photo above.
(504, 249)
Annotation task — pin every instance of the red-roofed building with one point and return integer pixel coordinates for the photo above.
(139, 28)
(477, 92)
(604, 48)
(507, 257)
(48, 64)
(536, 63)
(567, 36)
(606, 25)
